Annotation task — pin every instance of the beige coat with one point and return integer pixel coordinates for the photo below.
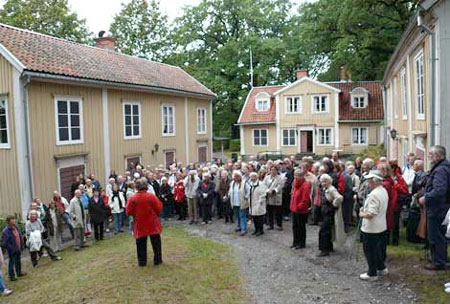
(257, 198)
(336, 199)
(75, 212)
(242, 193)
(274, 184)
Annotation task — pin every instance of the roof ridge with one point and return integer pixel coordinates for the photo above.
(349, 82)
(270, 86)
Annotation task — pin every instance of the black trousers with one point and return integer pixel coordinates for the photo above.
(46, 246)
(141, 246)
(347, 212)
(371, 246)
(299, 229)
(219, 206)
(258, 221)
(98, 231)
(326, 229)
(317, 215)
(286, 201)
(181, 209)
(275, 212)
(206, 212)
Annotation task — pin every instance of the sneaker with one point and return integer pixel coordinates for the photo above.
(383, 272)
(203, 223)
(366, 277)
(7, 292)
(57, 258)
(447, 290)
(447, 285)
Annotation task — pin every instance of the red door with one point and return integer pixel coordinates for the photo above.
(67, 178)
(202, 154)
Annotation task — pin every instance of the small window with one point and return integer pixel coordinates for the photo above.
(293, 104)
(69, 121)
(260, 137)
(168, 120)
(403, 93)
(262, 105)
(201, 121)
(359, 102)
(132, 120)
(325, 136)
(394, 86)
(420, 85)
(320, 104)
(359, 98)
(289, 137)
(4, 126)
(359, 136)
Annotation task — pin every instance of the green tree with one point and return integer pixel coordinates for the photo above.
(51, 17)
(141, 29)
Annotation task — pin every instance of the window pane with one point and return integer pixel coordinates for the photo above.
(76, 135)
(292, 133)
(135, 109)
(263, 133)
(136, 120)
(3, 137)
(62, 107)
(2, 107)
(63, 121)
(3, 122)
(127, 120)
(136, 130)
(128, 131)
(263, 141)
(364, 135)
(285, 133)
(292, 141)
(127, 109)
(74, 107)
(74, 120)
(63, 134)
(285, 141)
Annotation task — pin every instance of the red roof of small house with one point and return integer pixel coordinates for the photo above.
(249, 113)
(49, 55)
(374, 109)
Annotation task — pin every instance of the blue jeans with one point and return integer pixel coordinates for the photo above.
(2, 283)
(241, 215)
(14, 264)
(66, 219)
(117, 221)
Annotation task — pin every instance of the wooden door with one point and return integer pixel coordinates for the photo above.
(202, 154)
(303, 141)
(132, 162)
(170, 158)
(67, 178)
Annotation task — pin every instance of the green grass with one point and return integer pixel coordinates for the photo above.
(406, 263)
(195, 270)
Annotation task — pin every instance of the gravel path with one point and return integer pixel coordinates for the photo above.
(274, 273)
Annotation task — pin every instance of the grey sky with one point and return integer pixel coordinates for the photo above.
(100, 13)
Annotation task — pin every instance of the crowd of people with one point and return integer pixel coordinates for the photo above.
(373, 197)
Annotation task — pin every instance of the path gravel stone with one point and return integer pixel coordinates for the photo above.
(274, 273)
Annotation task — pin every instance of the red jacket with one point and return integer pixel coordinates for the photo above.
(341, 183)
(388, 184)
(178, 190)
(144, 207)
(300, 199)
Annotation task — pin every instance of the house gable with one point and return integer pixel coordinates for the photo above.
(317, 84)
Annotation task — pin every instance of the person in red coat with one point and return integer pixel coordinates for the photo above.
(145, 208)
(180, 197)
(300, 203)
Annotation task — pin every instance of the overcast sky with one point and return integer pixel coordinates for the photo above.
(99, 13)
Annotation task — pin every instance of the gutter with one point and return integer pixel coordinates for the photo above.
(115, 85)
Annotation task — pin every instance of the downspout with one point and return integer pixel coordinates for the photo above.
(24, 88)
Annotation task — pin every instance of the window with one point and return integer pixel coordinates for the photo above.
(403, 93)
(359, 101)
(4, 131)
(320, 104)
(168, 120)
(394, 86)
(201, 121)
(359, 136)
(69, 121)
(325, 136)
(262, 105)
(359, 98)
(260, 137)
(293, 104)
(388, 102)
(132, 120)
(420, 85)
(289, 137)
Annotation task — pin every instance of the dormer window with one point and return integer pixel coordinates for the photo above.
(262, 102)
(359, 98)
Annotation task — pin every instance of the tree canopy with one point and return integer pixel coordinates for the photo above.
(51, 17)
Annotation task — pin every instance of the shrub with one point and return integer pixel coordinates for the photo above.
(3, 223)
(373, 152)
(235, 145)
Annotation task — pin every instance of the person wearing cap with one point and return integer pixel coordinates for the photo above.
(205, 193)
(238, 194)
(373, 226)
(97, 212)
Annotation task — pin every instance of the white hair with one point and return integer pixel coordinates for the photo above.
(326, 177)
(237, 172)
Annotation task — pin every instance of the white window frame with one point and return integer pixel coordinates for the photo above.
(167, 105)
(262, 97)
(201, 130)
(359, 136)
(395, 88)
(419, 57)
(289, 137)
(6, 145)
(331, 136)
(359, 96)
(267, 137)
(131, 104)
(288, 100)
(327, 104)
(359, 92)
(68, 99)
(403, 94)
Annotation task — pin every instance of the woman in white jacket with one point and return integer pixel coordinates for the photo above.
(191, 183)
(117, 204)
(257, 202)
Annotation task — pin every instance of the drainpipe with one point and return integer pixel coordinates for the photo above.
(432, 123)
(24, 88)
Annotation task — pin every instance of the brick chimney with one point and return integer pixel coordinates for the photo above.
(301, 74)
(107, 42)
(346, 76)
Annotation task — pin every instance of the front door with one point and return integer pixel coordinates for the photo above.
(170, 158)
(67, 178)
(202, 154)
(306, 141)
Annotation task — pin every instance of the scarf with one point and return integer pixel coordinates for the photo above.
(116, 194)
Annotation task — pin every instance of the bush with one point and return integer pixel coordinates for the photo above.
(373, 152)
(235, 145)
(217, 145)
(3, 224)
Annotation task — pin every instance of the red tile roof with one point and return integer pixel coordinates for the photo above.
(42, 53)
(374, 110)
(249, 113)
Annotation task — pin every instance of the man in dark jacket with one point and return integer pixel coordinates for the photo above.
(12, 240)
(437, 203)
(286, 196)
(97, 212)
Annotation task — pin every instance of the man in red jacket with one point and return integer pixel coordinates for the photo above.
(145, 208)
(300, 202)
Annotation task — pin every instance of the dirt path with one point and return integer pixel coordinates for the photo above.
(276, 274)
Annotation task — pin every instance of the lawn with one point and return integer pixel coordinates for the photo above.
(195, 270)
(406, 265)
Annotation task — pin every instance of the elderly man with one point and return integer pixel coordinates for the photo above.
(145, 208)
(191, 183)
(373, 215)
(416, 212)
(274, 183)
(437, 203)
(76, 213)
